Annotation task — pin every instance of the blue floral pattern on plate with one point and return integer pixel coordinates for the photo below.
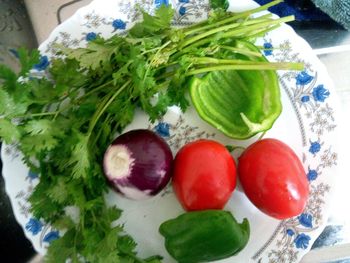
(312, 175)
(162, 129)
(268, 49)
(320, 93)
(305, 220)
(315, 147)
(303, 78)
(290, 232)
(51, 236)
(91, 36)
(43, 63)
(158, 3)
(119, 24)
(34, 226)
(32, 176)
(302, 241)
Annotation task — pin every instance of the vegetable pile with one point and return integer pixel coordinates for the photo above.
(64, 122)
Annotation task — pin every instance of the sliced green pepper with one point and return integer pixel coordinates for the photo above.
(203, 236)
(240, 103)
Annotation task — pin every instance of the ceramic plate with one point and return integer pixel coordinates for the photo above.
(308, 124)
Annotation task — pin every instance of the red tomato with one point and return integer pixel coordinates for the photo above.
(273, 178)
(204, 175)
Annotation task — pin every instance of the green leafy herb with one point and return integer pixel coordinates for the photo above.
(223, 4)
(64, 123)
(9, 132)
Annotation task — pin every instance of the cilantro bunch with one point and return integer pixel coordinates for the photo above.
(63, 122)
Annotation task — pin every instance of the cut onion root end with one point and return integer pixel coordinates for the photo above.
(138, 164)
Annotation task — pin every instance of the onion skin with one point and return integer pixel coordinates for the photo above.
(138, 164)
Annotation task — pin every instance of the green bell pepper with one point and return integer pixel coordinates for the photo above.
(203, 236)
(239, 103)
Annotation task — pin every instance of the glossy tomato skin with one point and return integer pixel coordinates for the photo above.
(273, 178)
(204, 175)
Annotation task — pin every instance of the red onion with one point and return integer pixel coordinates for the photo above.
(138, 164)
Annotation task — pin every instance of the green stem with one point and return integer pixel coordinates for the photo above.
(36, 114)
(96, 89)
(261, 136)
(107, 119)
(71, 104)
(165, 75)
(240, 31)
(209, 60)
(75, 244)
(244, 26)
(233, 33)
(239, 15)
(261, 33)
(108, 83)
(105, 105)
(241, 51)
(98, 110)
(158, 49)
(257, 66)
(227, 20)
(62, 109)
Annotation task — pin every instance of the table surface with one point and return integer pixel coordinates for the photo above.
(330, 42)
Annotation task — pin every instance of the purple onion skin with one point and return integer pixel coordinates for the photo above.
(152, 166)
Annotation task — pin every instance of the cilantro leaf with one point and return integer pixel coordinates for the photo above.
(177, 90)
(126, 244)
(223, 4)
(152, 24)
(27, 60)
(94, 56)
(113, 213)
(41, 135)
(154, 259)
(77, 193)
(42, 91)
(43, 206)
(7, 77)
(58, 192)
(35, 144)
(123, 110)
(105, 242)
(80, 158)
(63, 248)
(110, 258)
(64, 72)
(9, 132)
(43, 126)
(162, 104)
(9, 107)
(64, 222)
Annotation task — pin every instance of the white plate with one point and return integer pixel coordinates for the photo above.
(308, 124)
